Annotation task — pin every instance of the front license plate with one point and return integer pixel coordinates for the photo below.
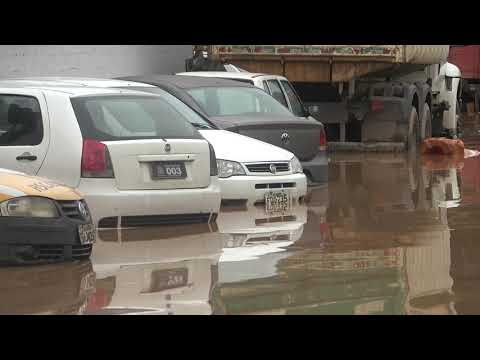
(168, 170)
(277, 201)
(87, 234)
(88, 282)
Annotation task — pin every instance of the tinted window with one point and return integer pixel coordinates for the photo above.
(297, 107)
(20, 121)
(130, 117)
(224, 101)
(276, 92)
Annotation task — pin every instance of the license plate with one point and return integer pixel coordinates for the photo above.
(168, 170)
(88, 282)
(277, 201)
(87, 234)
(169, 279)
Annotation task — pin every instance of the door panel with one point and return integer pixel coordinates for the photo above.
(24, 129)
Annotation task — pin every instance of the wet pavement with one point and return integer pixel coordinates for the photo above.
(387, 235)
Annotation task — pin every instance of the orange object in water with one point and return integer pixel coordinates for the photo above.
(443, 146)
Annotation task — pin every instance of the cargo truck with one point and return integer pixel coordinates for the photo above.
(386, 93)
(467, 58)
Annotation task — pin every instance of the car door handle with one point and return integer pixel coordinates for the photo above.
(27, 157)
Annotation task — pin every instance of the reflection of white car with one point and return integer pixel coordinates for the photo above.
(248, 168)
(165, 288)
(155, 169)
(252, 223)
(257, 241)
(156, 270)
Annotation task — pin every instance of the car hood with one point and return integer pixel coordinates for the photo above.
(15, 184)
(235, 147)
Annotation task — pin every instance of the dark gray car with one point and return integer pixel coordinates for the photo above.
(247, 110)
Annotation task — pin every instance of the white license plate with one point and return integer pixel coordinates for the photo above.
(87, 234)
(277, 201)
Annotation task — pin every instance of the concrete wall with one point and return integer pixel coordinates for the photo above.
(91, 60)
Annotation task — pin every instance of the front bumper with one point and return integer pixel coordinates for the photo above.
(37, 240)
(253, 188)
(317, 168)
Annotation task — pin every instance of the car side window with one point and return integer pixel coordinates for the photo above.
(20, 121)
(276, 92)
(295, 103)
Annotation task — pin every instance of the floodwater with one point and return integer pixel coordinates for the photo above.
(386, 236)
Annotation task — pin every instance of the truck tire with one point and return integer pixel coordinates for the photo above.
(413, 135)
(426, 123)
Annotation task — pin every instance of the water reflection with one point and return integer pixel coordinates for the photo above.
(385, 247)
(48, 289)
(165, 270)
(388, 235)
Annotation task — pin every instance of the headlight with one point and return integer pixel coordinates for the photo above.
(29, 206)
(296, 165)
(229, 168)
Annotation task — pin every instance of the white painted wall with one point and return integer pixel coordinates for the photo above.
(92, 60)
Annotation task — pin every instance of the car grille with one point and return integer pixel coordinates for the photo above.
(285, 237)
(265, 167)
(70, 209)
(275, 186)
(52, 253)
(58, 252)
(276, 219)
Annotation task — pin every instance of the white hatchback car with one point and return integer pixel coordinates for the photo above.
(248, 169)
(135, 156)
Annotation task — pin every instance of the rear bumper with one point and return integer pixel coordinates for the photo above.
(34, 240)
(253, 188)
(105, 201)
(317, 168)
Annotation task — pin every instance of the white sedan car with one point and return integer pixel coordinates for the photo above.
(248, 169)
(154, 170)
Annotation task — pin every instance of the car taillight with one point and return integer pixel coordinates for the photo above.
(213, 161)
(323, 140)
(377, 105)
(96, 162)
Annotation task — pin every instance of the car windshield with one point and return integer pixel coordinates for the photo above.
(227, 101)
(195, 119)
(122, 117)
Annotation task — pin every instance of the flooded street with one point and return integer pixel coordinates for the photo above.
(387, 235)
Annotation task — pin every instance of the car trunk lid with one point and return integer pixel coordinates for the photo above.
(133, 161)
(298, 135)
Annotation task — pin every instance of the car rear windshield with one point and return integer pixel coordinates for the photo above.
(126, 117)
(193, 117)
(225, 101)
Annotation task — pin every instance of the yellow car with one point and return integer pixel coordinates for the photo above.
(42, 221)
